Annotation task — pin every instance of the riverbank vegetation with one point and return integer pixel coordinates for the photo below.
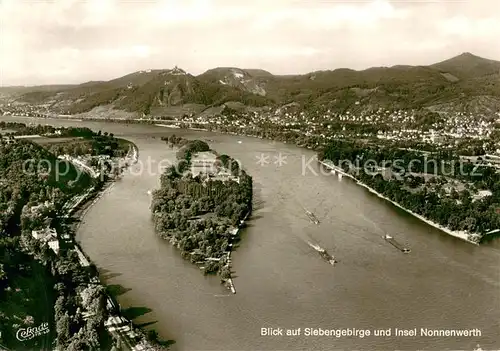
(30, 201)
(200, 214)
(42, 278)
(459, 195)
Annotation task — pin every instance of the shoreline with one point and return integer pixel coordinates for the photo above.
(232, 233)
(134, 337)
(457, 234)
(461, 235)
(154, 122)
(80, 209)
(229, 282)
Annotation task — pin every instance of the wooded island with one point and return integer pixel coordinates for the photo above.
(202, 201)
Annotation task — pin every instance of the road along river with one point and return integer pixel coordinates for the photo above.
(444, 283)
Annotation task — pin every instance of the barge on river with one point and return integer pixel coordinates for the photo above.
(397, 245)
(322, 252)
(312, 217)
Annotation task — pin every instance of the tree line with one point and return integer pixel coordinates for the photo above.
(86, 141)
(36, 284)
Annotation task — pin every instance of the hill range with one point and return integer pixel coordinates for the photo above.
(463, 83)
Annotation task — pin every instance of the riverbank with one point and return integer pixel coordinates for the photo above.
(228, 282)
(234, 234)
(458, 234)
(82, 203)
(273, 270)
(214, 211)
(120, 328)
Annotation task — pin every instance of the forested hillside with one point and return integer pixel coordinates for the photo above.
(465, 82)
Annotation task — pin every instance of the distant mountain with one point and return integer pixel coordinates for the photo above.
(258, 72)
(468, 65)
(145, 92)
(246, 80)
(24, 89)
(463, 83)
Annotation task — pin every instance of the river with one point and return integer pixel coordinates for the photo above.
(444, 283)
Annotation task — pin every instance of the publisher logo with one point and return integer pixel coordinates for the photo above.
(29, 333)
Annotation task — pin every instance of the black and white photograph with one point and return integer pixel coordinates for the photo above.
(261, 175)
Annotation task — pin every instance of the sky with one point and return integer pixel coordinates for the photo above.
(71, 41)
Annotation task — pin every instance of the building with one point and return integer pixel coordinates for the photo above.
(8, 141)
(204, 162)
(54, 245)
(225, 175)
(492, 160)
(40, 207)
(48, 236)
(432, 137)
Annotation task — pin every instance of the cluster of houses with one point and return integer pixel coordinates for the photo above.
(11, 109)
(88, 163)
(81, 164)
(46, 234)
(403, 123)
(291, 117)
(487, 160)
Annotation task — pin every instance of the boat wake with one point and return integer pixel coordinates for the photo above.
(322, 252)
(315, 247)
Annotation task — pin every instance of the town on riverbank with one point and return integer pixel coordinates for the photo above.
(471, 145)
(460, 198)
(456, 147)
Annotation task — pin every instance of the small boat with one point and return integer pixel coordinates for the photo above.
(406, 250)
(327, 257)
(387, 237)
(312, 217)
(239, 141)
